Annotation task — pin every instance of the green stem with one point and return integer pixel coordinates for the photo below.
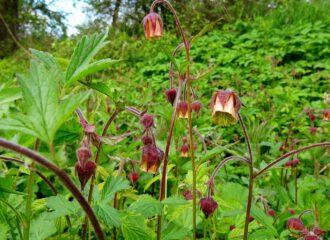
(29, 196)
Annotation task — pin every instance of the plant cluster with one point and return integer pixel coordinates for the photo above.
(112, 206)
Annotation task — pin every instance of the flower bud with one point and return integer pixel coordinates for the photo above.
(295, 224)
(146, 140)
(208, 206)
(288, 163)
(83, 155)
(187, 195)
(134, 177)
(151, 158)
(318, 231)
(251, 218)
(153, 26)
(291, 211)
(311, 117)
(84, 172)
(312, 130)
(184, 151)
(225, 106)
(232, 227)
(170, 95)
(271, 212)
(196, 106)
(295, 162)
(182, 110)
(147, 121)
(326, 115)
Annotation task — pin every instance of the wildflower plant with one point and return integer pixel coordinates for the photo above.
(106, 186)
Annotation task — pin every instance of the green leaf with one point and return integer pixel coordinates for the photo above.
(173, 231)
(41, 228)
(11, 191)
(4, 229)
(112, 185)
(49, 62)
(44, 111)
(112, 140)
(9, 94)
(60, 206)
(262, 234)
(109, 215)
(85, 50)
(100, 87)
(134, 228)
(174, 201)
(147, 206)
(264, 219)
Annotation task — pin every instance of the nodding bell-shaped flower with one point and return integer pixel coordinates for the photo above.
(146, 140)
(151, 158)
(153, 26)
(134, 177)
(208, 206)
(170, 95)
(85, 171)
(225, 106)
(83, 154)
(295, 224)
(184, 151)
(196, 106)
(326, 115)
(182, 110)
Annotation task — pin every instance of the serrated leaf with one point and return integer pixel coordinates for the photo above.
(41, 228)
(100, 87)
(264, 219)
(134, 228)
(112, 185)
(84, 51)
(4, 229)
(109, 215)
(9, 94)
(174, 201)
(60, 206)
(173, 231)
(147, 206)
(11, 191)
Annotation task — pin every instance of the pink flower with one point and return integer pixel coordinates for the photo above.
(153, 26)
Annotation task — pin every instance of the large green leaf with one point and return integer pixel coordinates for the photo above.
(41, 228)
(264, 219)
(109, 215)
(112, 185)
(134, 228)
(147, 206)
(45, 113)
(60, 206)
(9, 94)
(85, 50)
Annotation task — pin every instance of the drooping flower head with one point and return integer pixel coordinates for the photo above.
(134, 177)
(153, 26)
(225, 106)
(170, 95)
(84, 172)
(182, 109)
(208, 206)
(271, 212)
(326, 115)
(295, 224)
(151, 158)
(196, 106)
(147, 121)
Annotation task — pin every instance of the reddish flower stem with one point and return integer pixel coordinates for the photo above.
(221, 164)
(63, 176)
(249, 200)
(187, 48)
(323, 144)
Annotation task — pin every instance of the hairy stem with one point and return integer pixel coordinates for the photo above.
(29, 196)
(251, 179)
(322, 144)
(63, 176)
(221, 164)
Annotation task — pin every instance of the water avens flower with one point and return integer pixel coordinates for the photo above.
(146, 140)
(295, 162)
(208, 206)
(151, 158)
(225, 106)
(295, 224)
(318, 231)
(153, 26)
(170, 95)
(271, 212)
(182, 110)
(84, 172)
(147, 121)
(326, 115)
(196, 106)
(134, 177)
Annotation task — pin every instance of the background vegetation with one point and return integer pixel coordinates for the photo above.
(274, 54)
